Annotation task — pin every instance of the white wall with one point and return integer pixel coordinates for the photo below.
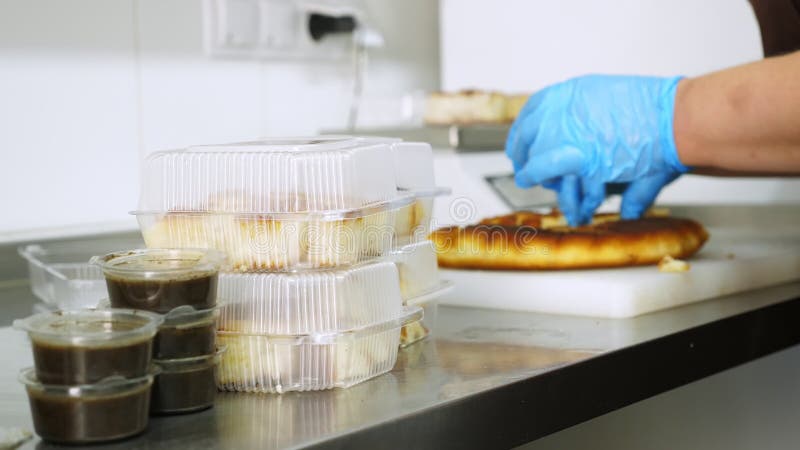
(89, 87)
(524, 45)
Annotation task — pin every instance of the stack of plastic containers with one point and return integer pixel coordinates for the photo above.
(312, 230)
(180, 286)
(92, 376)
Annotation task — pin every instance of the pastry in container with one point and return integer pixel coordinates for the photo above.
(280, 363)
(160, 280)
(85, 346)
(420, 285)
(414, 174)
(274, 204)
(110, 409)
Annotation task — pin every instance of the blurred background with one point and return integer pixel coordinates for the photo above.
(90, 87)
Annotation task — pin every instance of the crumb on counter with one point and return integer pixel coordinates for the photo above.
(670, 264)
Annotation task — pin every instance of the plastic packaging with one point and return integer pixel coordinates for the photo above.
(310, 302)
(418, 269)
(413, 222)
(426, 326)
(60, 274)
(186, 333)
(273, 363)
(85, 346)
(160, 280)
(185, 385)
(111, 409)
(292, 175)
(289, 204)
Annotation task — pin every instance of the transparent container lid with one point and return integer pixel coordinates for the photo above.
(91, 327)
(288, 175)
(104, 388)
(309, 302)
(190, 364)
(160, 264)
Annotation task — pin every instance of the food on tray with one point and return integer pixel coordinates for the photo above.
(515, 105)
(670, 264)
(527, 240)
(472, 107)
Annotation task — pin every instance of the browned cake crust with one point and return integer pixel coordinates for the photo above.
(531, 241)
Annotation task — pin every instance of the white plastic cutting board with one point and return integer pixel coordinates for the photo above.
(730, 262)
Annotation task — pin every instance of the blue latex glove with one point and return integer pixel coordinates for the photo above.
(575, 136)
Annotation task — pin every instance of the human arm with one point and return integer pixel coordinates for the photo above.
(745, 118)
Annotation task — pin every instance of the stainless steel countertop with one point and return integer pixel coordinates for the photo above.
(481, 364)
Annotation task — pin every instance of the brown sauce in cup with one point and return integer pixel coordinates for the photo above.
(161, 296)
(75, 420)
(185, 341)
(184, 391)
(76, 364)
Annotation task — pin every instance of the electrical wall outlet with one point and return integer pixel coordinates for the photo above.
(281, 29)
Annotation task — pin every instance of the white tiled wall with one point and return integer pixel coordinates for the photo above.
(89, 87)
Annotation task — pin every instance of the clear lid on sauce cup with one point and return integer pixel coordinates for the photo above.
(191, 363)
(91, 327)
(106, 387)
(161, 263)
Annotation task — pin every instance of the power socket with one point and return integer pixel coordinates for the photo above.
(280, 29)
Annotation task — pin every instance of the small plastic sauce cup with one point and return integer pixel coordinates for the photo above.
(186, 333)
(112, 409)
(85, 346)
(185, 385)
(160, 280)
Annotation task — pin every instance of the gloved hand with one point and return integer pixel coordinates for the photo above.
(575, 136)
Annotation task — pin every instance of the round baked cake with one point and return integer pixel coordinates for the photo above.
(532, 241)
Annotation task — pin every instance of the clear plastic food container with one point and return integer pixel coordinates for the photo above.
(418, 269)
(86, 346)
(111, 409)
(274, 363)
(186, 333)
(310, 302)
(426, 326)
(160, 280)
(260, 241)
(290, 175)
(60, 274)
(413, 222)
(185, 385)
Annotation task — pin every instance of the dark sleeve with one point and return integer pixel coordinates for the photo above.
(779, 21)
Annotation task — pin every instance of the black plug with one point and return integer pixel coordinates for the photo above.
(320, 25)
